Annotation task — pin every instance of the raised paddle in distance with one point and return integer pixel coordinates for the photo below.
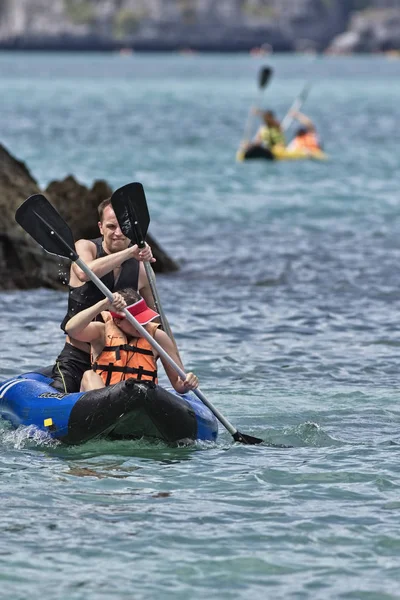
(264, 76)
(41, 220)
(130, 207)
(296, 106)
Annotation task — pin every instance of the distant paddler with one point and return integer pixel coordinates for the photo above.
(264, 77)
(270, 143)
(306, 138)
(269, 136)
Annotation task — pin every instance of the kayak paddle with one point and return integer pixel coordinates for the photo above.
(46, 226)
(296, 106)
(264, 76)
(130, 207)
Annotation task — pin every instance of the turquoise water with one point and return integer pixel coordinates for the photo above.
(286, 306)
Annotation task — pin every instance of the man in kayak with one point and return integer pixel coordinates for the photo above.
(118, 350)
(306, 138)
(118, 264)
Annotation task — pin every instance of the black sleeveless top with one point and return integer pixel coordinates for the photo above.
(88, 294)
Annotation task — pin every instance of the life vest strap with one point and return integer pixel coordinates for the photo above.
(127, 348)
(111, 368)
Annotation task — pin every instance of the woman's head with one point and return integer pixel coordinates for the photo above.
(136, 306)
(270, 120)
(301, 132)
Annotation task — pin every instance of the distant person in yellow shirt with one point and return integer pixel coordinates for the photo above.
(270, 134)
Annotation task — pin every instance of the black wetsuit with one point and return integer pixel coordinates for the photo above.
(72, 362)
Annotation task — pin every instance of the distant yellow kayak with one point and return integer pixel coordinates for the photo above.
(255, 152)
(284, 154)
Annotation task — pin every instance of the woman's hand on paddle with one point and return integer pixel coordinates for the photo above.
(143, 254)
(191, 382)
(117, 304)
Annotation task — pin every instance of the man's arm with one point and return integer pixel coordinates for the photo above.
(303, 119)
(101, 266)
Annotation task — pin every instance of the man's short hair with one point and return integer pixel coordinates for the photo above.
(103, 204)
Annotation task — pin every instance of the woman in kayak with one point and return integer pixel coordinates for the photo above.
(118, 350)
(270, 135)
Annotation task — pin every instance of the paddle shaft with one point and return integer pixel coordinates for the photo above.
(108, 294)
(150, 273)
(264, 76)
(296, 106)
(250, 116)
(157, 301)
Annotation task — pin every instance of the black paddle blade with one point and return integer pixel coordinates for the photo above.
(41, 220)
(130, 207)
(264, 76)
(246, 439)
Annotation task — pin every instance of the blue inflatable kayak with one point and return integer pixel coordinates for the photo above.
(127, 410)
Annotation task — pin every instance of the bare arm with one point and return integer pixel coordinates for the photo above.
(303, 119)
(82, 327)
(191, 382)
(101, 266)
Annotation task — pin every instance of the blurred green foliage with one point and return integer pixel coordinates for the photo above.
(80, 12)
(258, 10)
(126, 23)
(187, 9)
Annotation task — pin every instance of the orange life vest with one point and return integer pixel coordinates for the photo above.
(309, 141)
(121, 358)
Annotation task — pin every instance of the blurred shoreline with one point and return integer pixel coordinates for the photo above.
(226, 26)
(161, 48)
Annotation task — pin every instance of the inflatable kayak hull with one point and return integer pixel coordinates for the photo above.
(127, 410)
(256, 152)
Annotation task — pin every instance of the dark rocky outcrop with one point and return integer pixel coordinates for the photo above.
(23, 264)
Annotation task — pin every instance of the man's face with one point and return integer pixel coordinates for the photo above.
(114, 239)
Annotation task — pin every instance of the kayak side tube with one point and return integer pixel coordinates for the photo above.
(127, 410)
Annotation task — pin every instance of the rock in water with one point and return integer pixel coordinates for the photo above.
(23, 264)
